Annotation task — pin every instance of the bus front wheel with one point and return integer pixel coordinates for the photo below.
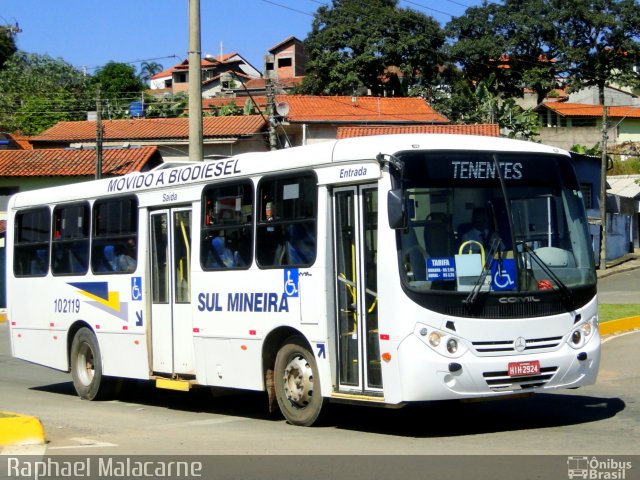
(86, 367)
(297, 383)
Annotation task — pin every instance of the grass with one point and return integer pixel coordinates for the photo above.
(609, 311)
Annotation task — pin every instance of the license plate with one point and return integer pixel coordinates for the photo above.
(523, 369)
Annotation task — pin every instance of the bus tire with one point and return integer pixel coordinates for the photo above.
(86, 367)
(297, 383)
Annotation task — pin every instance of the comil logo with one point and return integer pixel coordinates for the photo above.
(594, 468)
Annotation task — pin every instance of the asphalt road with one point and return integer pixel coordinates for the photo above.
(623, 287)
(602, 419)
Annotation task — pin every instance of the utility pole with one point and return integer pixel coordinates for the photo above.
(271, 109)
(603, 189)
(98, 136)
(195, 83)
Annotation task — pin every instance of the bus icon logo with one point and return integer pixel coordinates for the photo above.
(291, 282)
(578, 467)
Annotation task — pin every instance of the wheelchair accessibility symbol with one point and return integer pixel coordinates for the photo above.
(291, 282)
(136, 289)
(503, 275)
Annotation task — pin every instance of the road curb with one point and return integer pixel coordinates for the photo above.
(18, 429)
(620, 325)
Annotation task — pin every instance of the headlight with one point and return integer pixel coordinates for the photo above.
(440, 341)
(581, 335)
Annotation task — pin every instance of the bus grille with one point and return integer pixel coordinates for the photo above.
(508, 346)
(522, 310)
(502, 382)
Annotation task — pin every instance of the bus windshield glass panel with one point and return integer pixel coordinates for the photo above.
(465, 231)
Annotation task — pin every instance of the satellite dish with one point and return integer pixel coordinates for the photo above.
(282, 108)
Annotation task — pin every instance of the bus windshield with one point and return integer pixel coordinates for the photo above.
(467, 231)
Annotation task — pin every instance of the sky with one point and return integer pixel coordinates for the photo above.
(90, 33)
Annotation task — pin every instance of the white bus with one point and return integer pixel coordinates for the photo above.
(344, 271)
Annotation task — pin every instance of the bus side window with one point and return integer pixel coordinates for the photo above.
(115, 234)
(70, 242)
(32, 237)
(286, 230)
(227, 226)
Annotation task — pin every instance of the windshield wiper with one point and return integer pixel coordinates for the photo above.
(565, 292)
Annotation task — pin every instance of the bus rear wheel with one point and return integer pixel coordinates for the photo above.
(86, 367)
(297, 383)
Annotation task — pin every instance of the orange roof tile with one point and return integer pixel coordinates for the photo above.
(487, 130)
(60, 162)
(22, 141)
(582, 110)
(304, 108)
(151, 129)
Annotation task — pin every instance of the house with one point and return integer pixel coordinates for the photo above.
(218, 74)
(566, 124)
(222, 135)
(22, 170)
(306, 119)
(626, 189)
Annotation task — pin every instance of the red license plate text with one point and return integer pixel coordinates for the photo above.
(523, 369)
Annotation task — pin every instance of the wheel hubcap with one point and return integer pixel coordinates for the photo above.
(298, 381)
(85, 364)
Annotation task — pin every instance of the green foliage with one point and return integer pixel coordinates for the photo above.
(630, 166)
(353, 45)
(7, 45)
(38, 91)
(581, 149)
(148, 70)
(520, 123)
(230, 109)
(119, 86)
(170, 106)
(598, 41)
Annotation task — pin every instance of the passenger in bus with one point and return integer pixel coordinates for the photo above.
(479, 230)
(125, 258)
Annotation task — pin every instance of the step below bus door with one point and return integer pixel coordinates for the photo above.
(355, 236)
(171, 325)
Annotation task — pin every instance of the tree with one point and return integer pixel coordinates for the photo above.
(38, 91)
(119, 86)
(599, 41)
(516, 42)
(7, 45)
(148, 70)
(372, 45)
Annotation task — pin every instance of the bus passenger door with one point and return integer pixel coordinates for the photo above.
(171, 326)
(355, 235)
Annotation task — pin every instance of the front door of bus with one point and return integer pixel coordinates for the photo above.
(171, 328)
(356, 240)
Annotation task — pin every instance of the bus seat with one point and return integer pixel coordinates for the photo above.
(438, 235)
(414, 255)
(300, 245)
(109, 254)
(39, 263)
(222, 252)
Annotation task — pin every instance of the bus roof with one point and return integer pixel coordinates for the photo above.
(259, 163)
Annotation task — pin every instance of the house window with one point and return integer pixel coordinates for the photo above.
(181, 78)
(586, 189)
(583, 122)
(285, 62)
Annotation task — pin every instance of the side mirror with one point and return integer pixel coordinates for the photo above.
(396, 209)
